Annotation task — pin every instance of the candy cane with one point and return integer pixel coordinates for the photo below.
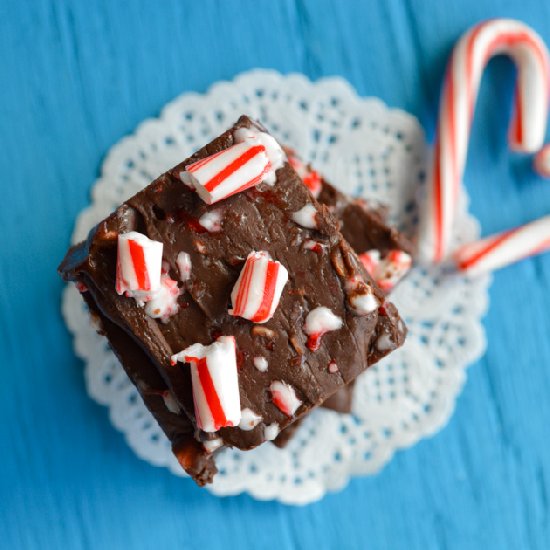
(215, 383)
(258, 289)
(505, 248)
(461, 86)
(139, 263)
(228, 172)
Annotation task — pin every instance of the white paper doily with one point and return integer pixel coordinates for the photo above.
(367, 150)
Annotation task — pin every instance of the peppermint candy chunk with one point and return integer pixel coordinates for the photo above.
(183, 261)
(227, 172)
(388, 271)
(215, 383)
(261, 363)
(319, 321)
(310, 178)
(284, 397)
(139, 263)
(360, 295)
(163, 302)
(258, 289)
(274, 152)
(211, 221)
(249, 420)
(306, 216)
(271, 431)
(211, 445)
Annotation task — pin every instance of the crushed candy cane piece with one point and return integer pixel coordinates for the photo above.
(311, 178)
(388, 271)
(284, 397)
(258, 289)
(332, 367)
(215, 383)
(183, 261)
(319, 321)
(274, 152)
(227, 172)
(261, 363)
(385, 343)
(81, 287)
(170, 402)
(210, 445)
(163, 303)
(271, 431)
(212, 221)
(139, 263)
(306, 216)
(249, 420)
(316, 246)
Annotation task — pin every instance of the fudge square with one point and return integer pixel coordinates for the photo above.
(239, 323)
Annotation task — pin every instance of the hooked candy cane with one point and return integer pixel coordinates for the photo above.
(505, 248)
(461, 86)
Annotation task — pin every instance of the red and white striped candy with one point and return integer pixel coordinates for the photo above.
(319, 321)
(139, 263)
(284, 397)
(311, 178)
(527, 128)
(387, 271)
(215, 383)
(505, 248)
(227, 172)
(258, 289)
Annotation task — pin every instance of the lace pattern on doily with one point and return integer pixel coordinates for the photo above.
(368, 150)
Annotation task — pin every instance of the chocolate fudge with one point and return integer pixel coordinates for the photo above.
(364, 225)
(279, 217)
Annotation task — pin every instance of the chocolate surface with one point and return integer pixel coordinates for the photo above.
(257, 219)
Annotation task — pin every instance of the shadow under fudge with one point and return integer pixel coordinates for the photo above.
(256, 219)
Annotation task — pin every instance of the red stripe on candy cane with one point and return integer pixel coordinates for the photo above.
(242, 294)
(209, 390)
(203, 162)
(269, 292)
(504, 248)
(215, 382)
(258, 289)
(492, 245)
(233, 167)
(138, 260)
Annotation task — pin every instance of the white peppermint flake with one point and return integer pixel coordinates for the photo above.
(321, 320)
(260, 363)
(306, 216)
(212, 221)
(210, 445)
(170, 402)
(183, 261)
(385, 343)
(249, 420)
(364, 303)
(271, 431)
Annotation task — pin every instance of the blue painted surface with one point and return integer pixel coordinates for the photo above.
(75, 77)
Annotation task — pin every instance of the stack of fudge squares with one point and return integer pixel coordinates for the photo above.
(240, 290)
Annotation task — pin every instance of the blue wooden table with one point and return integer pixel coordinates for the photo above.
(75, 78)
